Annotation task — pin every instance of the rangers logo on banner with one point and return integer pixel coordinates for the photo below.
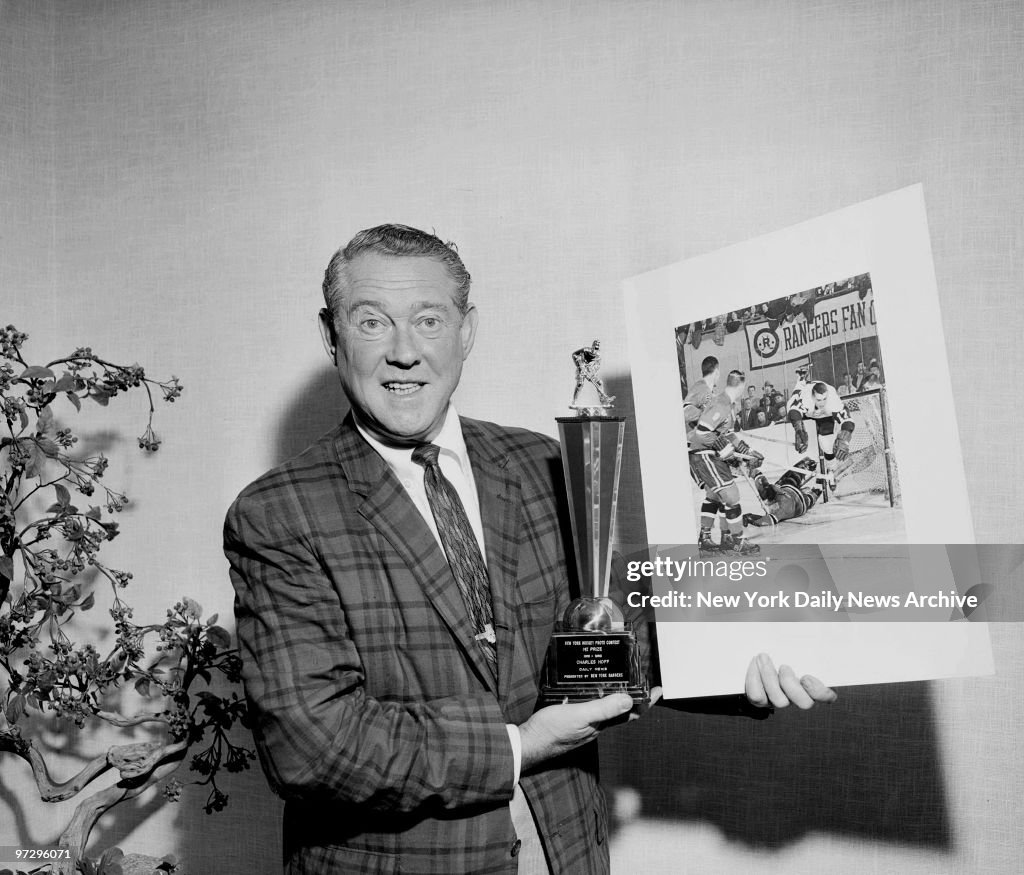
(838, 319)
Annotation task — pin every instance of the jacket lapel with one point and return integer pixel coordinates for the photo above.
(499, 493)
(387, 506)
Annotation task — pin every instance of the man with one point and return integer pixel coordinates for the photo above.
(703, 392)
(395, 719)
(860, 376)
(873, 380)
(789, 497)
(822, 403)
(773, 403)
(713, 443)
(749, 418)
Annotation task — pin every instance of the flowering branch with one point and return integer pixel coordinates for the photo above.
(54, 557)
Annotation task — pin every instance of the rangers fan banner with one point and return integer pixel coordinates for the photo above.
(833, 321)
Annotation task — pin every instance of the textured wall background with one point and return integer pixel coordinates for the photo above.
(175, 177)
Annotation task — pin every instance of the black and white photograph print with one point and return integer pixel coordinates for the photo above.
(786, 413)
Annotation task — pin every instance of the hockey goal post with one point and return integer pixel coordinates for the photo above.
(871, 466)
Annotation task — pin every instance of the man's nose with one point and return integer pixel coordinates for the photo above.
(404, 350)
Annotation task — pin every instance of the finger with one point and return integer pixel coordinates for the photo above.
(752, 686)
(656, 694)
(817, 690)
(606, 708)
(792, 688)
(770, 680)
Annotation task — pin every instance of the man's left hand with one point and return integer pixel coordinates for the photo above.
(766, 687)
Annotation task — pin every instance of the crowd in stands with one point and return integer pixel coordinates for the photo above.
(865, 378)
(757, 410)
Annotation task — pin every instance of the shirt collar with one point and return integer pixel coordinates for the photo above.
(449, 439)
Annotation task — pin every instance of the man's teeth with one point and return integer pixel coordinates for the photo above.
(402, 388)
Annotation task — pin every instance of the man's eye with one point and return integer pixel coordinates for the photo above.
(430, 326)
(371, 324)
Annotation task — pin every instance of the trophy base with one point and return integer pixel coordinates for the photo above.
(583, 665)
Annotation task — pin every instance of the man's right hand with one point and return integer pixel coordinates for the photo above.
(557, 729)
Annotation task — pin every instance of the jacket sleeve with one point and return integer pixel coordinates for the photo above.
(319, 735)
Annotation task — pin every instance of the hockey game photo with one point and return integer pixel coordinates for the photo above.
(787, 423)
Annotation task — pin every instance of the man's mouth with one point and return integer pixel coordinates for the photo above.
(396, 387)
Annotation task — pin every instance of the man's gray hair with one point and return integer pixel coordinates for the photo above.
(398, 241)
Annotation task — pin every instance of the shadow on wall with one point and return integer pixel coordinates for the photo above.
(318, 408)
(866, 766)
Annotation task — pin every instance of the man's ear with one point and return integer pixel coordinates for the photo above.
(468, 330)
(328, 333)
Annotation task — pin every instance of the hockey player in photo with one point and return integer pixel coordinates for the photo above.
(713, 443)
(701, 393)
(789, 497)
(822, 403)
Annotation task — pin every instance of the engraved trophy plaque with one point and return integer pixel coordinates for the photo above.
(593, 651)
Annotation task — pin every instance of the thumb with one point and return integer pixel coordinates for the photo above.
(608, 707)
(817, 690)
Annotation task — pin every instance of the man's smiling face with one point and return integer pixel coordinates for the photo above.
(399, 342)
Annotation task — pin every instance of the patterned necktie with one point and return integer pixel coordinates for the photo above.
(461, 548)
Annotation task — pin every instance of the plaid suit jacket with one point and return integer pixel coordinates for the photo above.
(375, 717)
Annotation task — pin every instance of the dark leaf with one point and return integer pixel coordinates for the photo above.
(37, 372)
(36, 460)
(142, 686)
(101, 398)
(6, 567)
(65, 384)
(88, 602)
(44, 421)
(15, 708)
(94, 513)
(220, 637)
(212, 620)
(63, 496)
(48, 446)
(74, 399)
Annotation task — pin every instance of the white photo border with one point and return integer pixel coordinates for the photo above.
(888, 238)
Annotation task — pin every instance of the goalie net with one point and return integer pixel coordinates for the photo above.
(871, 466)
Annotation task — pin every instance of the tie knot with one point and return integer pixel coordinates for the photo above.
(426, 455)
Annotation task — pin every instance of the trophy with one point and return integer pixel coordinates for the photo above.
(593, 651)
